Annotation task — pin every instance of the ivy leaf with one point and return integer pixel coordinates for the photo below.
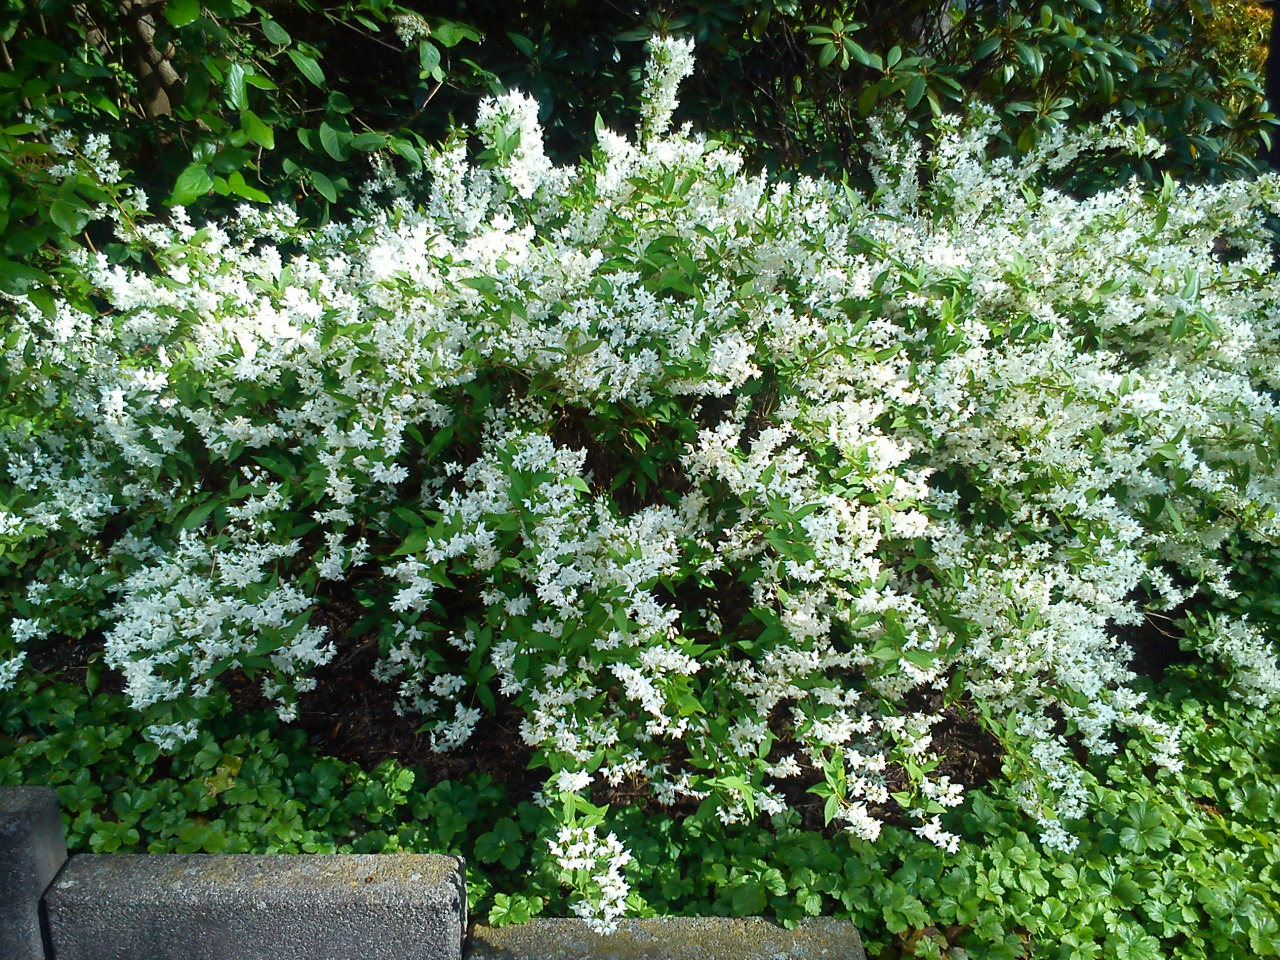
(1144, 831)
(499, 843)
(488, 848)
(508, 910)
(748, 900)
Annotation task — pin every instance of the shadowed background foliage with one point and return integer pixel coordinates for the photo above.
(212, 103)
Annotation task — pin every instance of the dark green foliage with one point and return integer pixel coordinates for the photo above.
(249, 100)
(795, 80)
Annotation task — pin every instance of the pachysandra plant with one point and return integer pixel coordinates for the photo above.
(716, 483)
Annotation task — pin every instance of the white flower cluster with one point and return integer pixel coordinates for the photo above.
(594, 866)
(185, 617)
(1247, 654)
(670, 61)
(718, 481)
(410, 27)
(509, 127)
(11, 668)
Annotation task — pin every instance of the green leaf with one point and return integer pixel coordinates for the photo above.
(257, 130)
(179, 13)
(416, 540)
(450, 34)
(192, 183)
(486, 285)
(238, 186)
(331, 141)
(308, 67)
(523, 44)
(857, 52)
(70, 219)
(428, 58)
(16, 277)
(275, 33)
(507, 910)
(324, 186)
(915, 91)
(867, 99)
(237, 99)
(103, 103)
(407, 150)
(369, 141)
(748, 900)
(1030, 56)
(1127, 891)
(921, 658)
(197, 517)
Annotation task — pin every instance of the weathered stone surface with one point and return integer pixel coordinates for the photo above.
(32, 848)
(671, 938)
(243, 907)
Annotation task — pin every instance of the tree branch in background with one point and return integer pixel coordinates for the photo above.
(161, 84)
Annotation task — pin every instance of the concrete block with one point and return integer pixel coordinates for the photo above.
(32, 848)
(247, 907)
(669, 938)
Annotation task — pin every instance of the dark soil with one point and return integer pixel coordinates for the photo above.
(970, 754)
(1155, 644)
(352, 716)
(71, 659)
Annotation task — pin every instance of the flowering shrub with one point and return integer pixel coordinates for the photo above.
(721, 483)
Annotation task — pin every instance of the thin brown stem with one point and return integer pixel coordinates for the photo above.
(7, 61)
(369, 36)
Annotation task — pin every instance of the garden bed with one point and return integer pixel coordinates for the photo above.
(667, 539)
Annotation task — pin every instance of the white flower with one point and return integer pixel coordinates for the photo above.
(10, 668)
(670, 61)
(571, 781)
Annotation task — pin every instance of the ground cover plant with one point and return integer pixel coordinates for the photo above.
(1186, 867)
(727, 493)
